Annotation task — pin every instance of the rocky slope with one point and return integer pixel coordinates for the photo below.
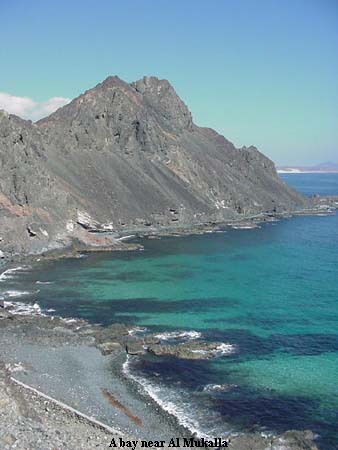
(120, 156)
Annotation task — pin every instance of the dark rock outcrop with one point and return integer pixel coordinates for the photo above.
(191, 349)
(121, 156)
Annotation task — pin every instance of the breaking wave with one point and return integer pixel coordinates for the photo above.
(172, 335)
(23, 309)
(178, 402)
(137, 330)
(222, 349)
(210, 388)
(8, 274)
(14, 293)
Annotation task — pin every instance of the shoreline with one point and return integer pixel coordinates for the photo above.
(61, 361)
(118, 240)
(248, 437)
(70, 342)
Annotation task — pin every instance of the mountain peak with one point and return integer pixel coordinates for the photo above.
(115, 97)
(162, 97)
(125, 155)
(151, 81)
(112, 81)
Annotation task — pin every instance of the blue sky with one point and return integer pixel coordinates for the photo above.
(261, 72)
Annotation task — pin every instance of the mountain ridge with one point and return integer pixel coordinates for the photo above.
(123, 155)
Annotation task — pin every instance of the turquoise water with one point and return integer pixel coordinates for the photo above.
(271, 292)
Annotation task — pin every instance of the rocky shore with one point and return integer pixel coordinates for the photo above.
(30, 344)
(97, 238)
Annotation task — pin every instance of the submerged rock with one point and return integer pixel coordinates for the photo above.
(192, 349)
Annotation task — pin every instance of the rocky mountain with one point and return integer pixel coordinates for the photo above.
(122, 156)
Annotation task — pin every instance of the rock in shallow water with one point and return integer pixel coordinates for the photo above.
(192, 349)
(109, 347)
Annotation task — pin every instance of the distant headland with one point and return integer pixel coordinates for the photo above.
(326, 167)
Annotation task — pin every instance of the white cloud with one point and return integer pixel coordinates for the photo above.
(16, 105)
(43, 109)
(27, 108)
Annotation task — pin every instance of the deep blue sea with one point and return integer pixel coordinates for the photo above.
(312, 183)
(270, 292)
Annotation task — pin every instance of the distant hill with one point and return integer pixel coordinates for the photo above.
(325, 167)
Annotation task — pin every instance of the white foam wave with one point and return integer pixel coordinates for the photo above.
(244, 227)
(8, 274)
(13, 293)
(181, 411)
(225, 349)
(137, 330)
(171, 335)
(179, 404)
(68, 320)
(33, 309)
(218, 387)
(44, 282)
(24, 309)
(222, 349)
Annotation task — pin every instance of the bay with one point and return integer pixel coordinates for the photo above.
(271, 292)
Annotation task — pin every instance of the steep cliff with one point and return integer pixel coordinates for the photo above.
(123, 155)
